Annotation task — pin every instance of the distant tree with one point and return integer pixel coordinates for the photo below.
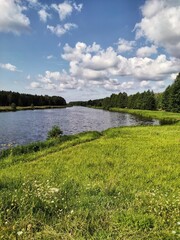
(166, 99)
(123, 99)
(13, 107)
(106, 103)
(145, 100)
(90, 103)
(175, 95)
(158, 97)
(134, 101)
(8, 97)
(113, 100)
(171, 96)
(149, 100)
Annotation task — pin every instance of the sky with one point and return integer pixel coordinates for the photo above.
(88, 49)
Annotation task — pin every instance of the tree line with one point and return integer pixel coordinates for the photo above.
(169, 100)
(171, 96)
(7, 98)
(145, 100)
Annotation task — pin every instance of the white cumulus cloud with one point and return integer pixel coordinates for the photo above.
(145, 84)
(124, 45)
(66, 8)
(78, 7)
(146, 51)
(153, 69)
(105, 69)
(58, 81)
(173, 76)
(12, 18)
(60, 30)
(9, 67)
(34, 85)
(43, 15)
(160, 24)
(33, 3)
(115, 85)
(104, 64)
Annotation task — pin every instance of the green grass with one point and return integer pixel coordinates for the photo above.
(161, 115)
(8, 108)
(121, 184)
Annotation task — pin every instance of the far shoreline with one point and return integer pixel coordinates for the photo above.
(18, 108)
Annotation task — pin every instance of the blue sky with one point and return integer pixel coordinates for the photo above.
(85, 50)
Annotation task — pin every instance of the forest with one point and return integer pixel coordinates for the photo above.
(171, 96)
(169, 100)
(7, 98)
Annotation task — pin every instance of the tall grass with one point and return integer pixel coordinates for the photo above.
(122, 184)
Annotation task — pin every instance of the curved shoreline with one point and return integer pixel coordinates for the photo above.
(160, 115)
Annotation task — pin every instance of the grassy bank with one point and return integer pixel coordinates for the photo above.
(121, 184)
(161, 115)
(8, 108)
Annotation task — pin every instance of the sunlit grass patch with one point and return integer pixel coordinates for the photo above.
(165, 117)
(121, 184)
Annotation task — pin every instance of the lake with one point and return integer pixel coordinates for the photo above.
(23, 127)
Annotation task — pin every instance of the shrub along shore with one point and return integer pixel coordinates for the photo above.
(122, 183)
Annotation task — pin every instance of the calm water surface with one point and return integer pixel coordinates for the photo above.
(23, 127)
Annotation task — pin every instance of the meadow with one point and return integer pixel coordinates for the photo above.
(122, 183)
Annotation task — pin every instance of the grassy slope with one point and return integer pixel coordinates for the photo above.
(121, 185)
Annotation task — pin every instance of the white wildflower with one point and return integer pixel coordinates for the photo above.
(19, 233)
(54, 190)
